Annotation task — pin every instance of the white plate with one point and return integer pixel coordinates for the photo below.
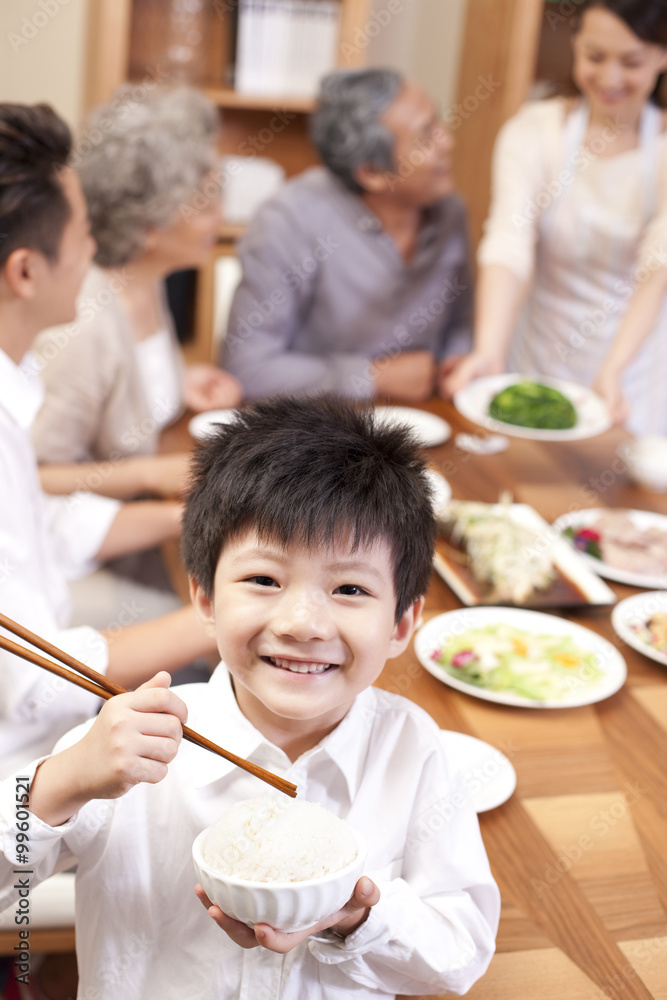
(636, 610)
(431, 636)
(429, 428)
(642, 519)
(442, 491)
(564, 557)
(204, 424)
(592, 414)
(488, 774)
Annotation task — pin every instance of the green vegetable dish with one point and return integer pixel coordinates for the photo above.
(529, 404)
(503, 658)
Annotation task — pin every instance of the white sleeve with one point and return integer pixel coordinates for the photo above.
(29, 696)
(433, 930)
(31, 850)
(653, 249)
(77, 526)
(525, 157)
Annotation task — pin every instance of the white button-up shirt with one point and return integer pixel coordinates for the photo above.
(143, 935)
(43, 541)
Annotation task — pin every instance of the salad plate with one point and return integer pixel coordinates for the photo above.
(593, 417)
(630, 617)
(428, 427)
(641, 519)
(488, 774)
(522, 658)
(204, 424)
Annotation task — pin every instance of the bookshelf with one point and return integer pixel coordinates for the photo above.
(127, 40)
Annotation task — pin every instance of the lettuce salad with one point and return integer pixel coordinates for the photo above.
(503, 658)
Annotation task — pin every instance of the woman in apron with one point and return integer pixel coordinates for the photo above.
(578, 221)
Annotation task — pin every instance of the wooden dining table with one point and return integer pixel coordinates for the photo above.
(579, 850)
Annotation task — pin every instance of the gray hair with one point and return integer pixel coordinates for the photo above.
(141, 157)
(345, 127)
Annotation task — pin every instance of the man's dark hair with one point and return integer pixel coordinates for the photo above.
(34, 146)
(311, 471)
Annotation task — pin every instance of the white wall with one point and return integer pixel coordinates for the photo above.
(42, 53)
(422, 38)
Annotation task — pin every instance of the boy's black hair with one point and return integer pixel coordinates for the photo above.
(34, 146)
(309, 471)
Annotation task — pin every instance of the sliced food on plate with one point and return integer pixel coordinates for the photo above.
(641, 621)
(653, 632)
(625, 545)
(506, 553)
(518, 657)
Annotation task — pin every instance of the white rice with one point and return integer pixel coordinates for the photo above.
(279, 840)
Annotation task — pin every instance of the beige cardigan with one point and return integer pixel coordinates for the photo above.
(94, 406)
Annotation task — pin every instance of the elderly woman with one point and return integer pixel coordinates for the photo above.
(115, 377)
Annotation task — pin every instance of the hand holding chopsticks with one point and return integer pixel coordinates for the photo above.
(89, 679)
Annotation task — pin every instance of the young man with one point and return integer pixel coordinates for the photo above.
(308, 536)
(356, 276)
(45, 251)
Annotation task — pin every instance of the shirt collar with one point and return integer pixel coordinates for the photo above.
(236, 733)
(345, 746)
(22, 389)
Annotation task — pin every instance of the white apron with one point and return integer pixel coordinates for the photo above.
(586, 271)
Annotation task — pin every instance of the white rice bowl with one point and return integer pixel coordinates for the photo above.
(274, 860)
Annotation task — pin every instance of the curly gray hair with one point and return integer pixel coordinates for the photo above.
(140, 157)
(345, 127)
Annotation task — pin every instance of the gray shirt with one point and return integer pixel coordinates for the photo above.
(325, 291)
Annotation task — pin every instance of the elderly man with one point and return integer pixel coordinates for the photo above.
(355, 276)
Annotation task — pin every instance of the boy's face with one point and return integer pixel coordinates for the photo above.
(303, 630)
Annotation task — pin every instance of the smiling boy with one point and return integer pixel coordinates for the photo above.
(308, 537)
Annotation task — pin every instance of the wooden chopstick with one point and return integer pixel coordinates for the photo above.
(101, 686)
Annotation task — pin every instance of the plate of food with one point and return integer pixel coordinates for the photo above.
(535, 407)
(641, 621)
(488, 774)
(505, 553)
(629, 546)
(523, 658)
(428, 427)
(204, 424)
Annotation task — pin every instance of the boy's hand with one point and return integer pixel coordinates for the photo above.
(346, 920)
(133, 739)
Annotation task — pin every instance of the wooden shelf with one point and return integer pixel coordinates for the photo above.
(225, 97)
(505, 53)
(229, 233)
